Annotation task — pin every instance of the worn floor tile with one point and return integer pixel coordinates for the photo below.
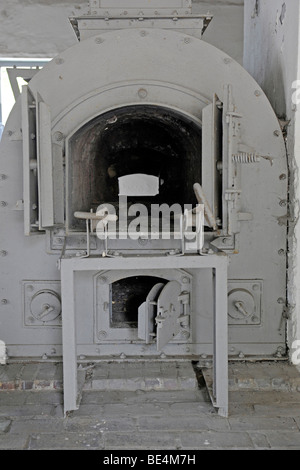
(216, 440)
(142, 440)
(182, 423)
(65, 440)
(262, 423)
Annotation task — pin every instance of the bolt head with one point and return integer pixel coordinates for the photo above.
(143, 93)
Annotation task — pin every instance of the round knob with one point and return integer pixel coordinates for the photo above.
(45, 305)
(241, 304)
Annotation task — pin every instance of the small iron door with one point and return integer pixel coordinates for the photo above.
(161, 314)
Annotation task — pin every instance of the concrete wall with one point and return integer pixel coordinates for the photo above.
(40, 28)
(271, 56)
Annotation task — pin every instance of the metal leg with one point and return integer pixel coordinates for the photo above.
(69, 337)
(221, 340)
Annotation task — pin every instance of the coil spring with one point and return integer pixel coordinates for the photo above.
(244, 157)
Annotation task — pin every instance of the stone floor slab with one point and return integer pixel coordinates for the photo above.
(142, 440)
(66, 441)
(216, 440)
(262, 423)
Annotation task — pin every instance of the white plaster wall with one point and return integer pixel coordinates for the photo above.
(40, 28)
(271, 56)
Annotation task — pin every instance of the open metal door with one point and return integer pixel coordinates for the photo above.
(147, 313)
(30, 177)
(43, 171)
(168, 313)
(159, 315)
(50, 171)
(212, 154)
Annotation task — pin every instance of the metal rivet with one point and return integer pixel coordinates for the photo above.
(3, 203)
(281, 300)
(99, 40)
(3, 253)
(58, 136)
(143, 33)
(143, 93)
(185, 280)
(4, 301)
(277, 133)
(255, 287)
(282, 176)
(102, 334)
(122, 356)
(281, 252)
(283, 203)
(257, 93)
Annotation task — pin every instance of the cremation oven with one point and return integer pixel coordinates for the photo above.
(143, 114)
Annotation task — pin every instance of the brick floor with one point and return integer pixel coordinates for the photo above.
(259, 418)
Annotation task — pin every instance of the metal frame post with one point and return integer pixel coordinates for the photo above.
(69, 344)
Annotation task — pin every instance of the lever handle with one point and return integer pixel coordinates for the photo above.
(240, 307)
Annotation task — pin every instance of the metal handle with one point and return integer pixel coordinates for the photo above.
(240, 307)
(47, 309)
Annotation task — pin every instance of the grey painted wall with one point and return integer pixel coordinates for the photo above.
(271, 55)
(40, 28)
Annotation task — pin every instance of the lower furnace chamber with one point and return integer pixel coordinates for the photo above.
(142, 100)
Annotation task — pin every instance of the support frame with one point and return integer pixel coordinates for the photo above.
(218, 263)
